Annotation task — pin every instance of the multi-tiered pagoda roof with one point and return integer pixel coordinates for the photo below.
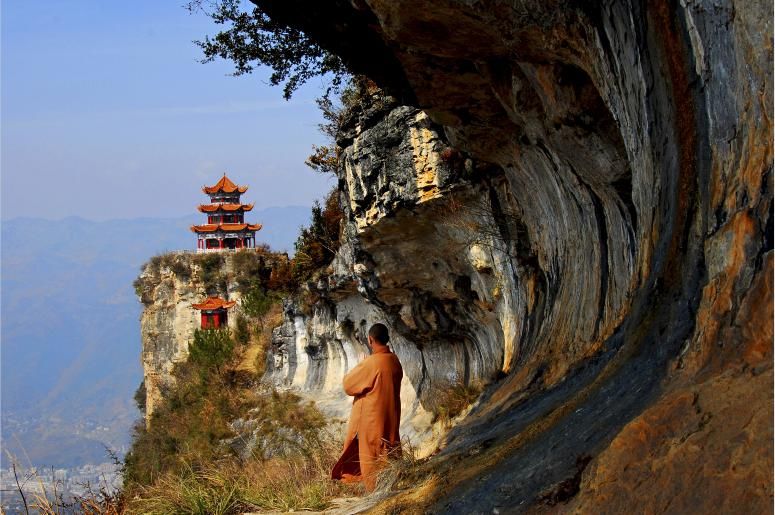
(226, 227)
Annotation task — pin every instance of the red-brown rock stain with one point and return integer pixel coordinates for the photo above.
(662, 18)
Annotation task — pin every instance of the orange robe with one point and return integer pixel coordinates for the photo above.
(372, 433)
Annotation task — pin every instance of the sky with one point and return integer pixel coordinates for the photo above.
(106, 112)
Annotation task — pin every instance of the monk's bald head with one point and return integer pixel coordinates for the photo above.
(380, 333)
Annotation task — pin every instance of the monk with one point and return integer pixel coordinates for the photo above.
(372, 434)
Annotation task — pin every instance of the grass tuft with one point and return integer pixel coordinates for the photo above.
(451, 399)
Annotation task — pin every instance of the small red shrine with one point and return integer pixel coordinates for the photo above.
(214, 312)
(225, 227)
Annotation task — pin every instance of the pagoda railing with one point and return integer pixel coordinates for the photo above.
(207, 251)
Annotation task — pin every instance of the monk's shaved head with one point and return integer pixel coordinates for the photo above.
(380, 333)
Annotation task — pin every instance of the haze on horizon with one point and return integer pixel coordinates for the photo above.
(108, 113)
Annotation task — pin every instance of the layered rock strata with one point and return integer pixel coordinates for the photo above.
(577, 214)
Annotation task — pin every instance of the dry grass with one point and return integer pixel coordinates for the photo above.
(450, 400)
(50, 500)
(184, 462)
(402, 464)
(232, 486)
(263, 337)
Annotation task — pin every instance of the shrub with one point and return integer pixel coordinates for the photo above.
(250, 269)
(178, 264)
(140, 397)
(211, 348)
(188, 426)
(256, 304)
(263, 339)
(324, 159)
(242, 332)
(137, 284)
(180, 268)
(181, 464)
(212, 272)
(281, 277)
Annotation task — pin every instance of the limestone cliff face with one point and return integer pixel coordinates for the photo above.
(167, 287)
(574, 209)
(393, 161)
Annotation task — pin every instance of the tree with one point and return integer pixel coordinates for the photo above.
(318, 243)
(256, 304)
(253, 38)
(211, 348)
(324, 159)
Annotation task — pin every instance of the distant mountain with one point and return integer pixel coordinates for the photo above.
(70, 327)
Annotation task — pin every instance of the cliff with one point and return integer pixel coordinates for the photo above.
(167, 287)
(564, 215)
(573, 211)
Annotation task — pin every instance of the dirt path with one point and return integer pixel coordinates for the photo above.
(248, 362)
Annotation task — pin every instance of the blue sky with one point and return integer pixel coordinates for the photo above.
(107, 113)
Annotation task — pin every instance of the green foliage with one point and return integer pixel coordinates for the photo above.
(211, 348)
(256, 304)
(137, 284)
(251, 39)
(233, 487)
(213, 276)
(175, 262)
(193, 491)
(242, 331)
(318, 243)
(180, 464)
(287, 408)
(190, 422)
(252, 268)
(140, 397)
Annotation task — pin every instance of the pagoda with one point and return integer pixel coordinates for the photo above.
(225, 227)
(214, 314)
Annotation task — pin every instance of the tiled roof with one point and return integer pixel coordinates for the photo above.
(212, 208)
(225, 227)
(214, 303)
(224, 185)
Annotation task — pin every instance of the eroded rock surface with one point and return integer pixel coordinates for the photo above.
(573, 209)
